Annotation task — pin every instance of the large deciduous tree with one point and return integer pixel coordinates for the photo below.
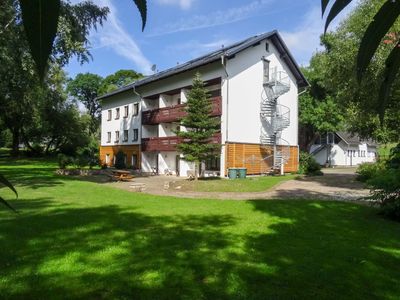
(118, 79)
(199, 126)
(379, 19)
(361, 99)
(319, 113)
(17, 76)
(85, 89)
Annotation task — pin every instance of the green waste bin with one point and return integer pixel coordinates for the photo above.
(232, 173)
(242, 172)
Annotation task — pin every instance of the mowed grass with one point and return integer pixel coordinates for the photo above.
(79, 240)
(249, 184)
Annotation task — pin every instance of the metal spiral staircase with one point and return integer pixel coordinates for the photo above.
(277, 116)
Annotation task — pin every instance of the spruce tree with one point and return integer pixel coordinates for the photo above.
(200, 126)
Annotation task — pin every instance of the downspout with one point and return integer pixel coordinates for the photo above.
(223, 63)
(141, 129)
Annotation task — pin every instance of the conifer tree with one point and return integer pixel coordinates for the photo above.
(199, 126)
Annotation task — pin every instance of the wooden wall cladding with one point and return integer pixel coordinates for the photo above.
(129, 150)
(257, 158)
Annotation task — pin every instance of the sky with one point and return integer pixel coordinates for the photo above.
(180, 30)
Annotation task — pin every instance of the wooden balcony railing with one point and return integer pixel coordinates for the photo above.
(175, 113)
(169, 143)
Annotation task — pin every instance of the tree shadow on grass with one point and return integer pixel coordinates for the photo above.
(297, 250)
(330, 250)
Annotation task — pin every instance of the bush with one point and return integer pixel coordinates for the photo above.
(308, 165)
(385, 185)
(367, 171)
(120, 160)
(385, 188)
(63, 161)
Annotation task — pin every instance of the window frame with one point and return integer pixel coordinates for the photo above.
(109, 137)
(117, 136)
(126, 111)
(126, 135)
(135, 109)
(117, 113)
(135, 135)
(109, 115)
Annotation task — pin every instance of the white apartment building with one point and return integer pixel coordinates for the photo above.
(254, 85)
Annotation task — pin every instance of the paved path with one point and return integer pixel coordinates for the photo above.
(336, 184)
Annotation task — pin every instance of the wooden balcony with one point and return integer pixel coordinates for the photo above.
(175, 113)
(169, 143)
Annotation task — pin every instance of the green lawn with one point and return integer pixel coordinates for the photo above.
(250, 184)
(75, 239)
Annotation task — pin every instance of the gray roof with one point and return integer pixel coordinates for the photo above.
(353, 139)
(229, 52)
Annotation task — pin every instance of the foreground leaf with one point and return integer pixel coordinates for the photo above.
(392, 64)
(324, 4)
(40, 19)
(376, 30)
(142, 6)
(337, 7)
(5, 182)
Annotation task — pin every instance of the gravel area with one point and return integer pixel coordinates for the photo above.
(336, 184)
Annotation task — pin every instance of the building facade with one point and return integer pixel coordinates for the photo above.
(254, 91)
(343, 149)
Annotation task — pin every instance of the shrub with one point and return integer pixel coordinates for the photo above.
(120, 160)
(385, 185)
(366, 171)
(385, 188)
(308, 165)
(63, 161)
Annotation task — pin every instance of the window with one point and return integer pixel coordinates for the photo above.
(135, 109)
(267, 47)
(126, 111)
(117, 136)
(108, 137)
(116, 113)
(134, 161)
(125, 135)
(354, 153)
(135, 134)
(107, 159)
(109, 116)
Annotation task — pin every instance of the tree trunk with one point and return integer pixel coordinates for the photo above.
(15, 142)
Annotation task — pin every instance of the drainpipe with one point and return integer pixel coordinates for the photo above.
(223, 63)
(140, 136)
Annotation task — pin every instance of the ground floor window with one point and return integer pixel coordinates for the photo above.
(213, 164)
(107, 158)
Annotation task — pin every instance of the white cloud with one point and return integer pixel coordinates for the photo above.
(194, 48)
(183, 4)
(215, 18)
(304, 40)
(112, 35)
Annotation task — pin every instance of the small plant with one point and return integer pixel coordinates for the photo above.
(63, 161)
(367, 171)
(120, 160)
(385, 185)
(308, 165)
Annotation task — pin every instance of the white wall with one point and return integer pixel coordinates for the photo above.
(129, 123)
(244, 92)
(345, 155)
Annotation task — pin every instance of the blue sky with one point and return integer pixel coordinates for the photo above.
(179, 30)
